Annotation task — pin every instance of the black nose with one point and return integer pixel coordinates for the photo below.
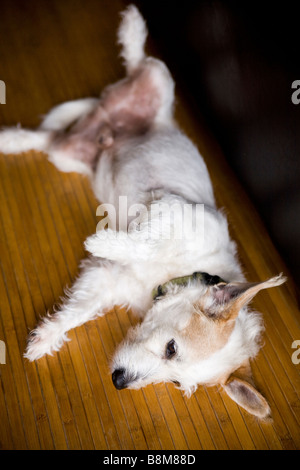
(118, 378)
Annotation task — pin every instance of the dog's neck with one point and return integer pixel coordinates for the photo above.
(183, 281)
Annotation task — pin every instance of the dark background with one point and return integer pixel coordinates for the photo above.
(237, 62)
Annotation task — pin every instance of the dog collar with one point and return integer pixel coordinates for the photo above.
(183, 281)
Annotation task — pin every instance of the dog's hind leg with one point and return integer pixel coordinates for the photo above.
(145, 98)
(52, 132)
(101, 285)
(132, 35)
(63, 115)
(15, 140)
(78, 147)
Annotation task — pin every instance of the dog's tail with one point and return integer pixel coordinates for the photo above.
(132, 36)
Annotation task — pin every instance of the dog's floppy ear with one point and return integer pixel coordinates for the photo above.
(240, 388)
(226, 300)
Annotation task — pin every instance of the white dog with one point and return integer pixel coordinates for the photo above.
(196, 327)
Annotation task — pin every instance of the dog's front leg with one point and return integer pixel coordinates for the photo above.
(101, 285)
(121, 246)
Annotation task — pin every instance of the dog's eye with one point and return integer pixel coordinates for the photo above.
(171, 349)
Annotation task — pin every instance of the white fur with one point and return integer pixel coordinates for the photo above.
(67, 164)
(17, 140)
(132, 35)
(63, 115)
(157, 168)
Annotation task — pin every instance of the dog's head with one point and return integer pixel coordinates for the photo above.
(197, 334)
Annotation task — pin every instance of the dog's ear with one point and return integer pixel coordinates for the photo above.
(226, 300)
(240, 388)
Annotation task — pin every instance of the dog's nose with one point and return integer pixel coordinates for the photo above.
(118, 378)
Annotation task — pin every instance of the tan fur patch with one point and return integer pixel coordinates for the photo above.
(205, 335)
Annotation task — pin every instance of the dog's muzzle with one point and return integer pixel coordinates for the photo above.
(119, 379)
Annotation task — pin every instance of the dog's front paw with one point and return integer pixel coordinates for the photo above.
(43, 340)
(103, 241)
(93, 244)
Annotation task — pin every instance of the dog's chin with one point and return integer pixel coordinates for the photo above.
(122, 379)
(137, 382)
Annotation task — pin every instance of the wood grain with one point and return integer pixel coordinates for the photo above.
(52, 52)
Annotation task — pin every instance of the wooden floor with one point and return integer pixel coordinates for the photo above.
(52, 52)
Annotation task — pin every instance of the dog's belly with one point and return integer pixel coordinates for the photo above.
(160, 160)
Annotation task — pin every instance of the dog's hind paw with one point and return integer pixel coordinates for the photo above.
(132, 36)
(17, 140)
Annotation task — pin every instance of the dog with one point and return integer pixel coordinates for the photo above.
(188, 287)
